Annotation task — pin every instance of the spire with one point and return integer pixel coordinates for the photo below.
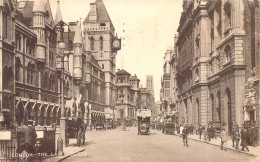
(39, 6)
(58, 17)
(77, 37)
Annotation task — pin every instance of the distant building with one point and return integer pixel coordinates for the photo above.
(149, 83)
(128, 96)
(168, 94)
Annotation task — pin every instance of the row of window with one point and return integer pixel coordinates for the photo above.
(92, 44)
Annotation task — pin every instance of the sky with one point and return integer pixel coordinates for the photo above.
(147, 29)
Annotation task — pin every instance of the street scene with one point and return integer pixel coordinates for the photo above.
(119, 80)
(128, 146)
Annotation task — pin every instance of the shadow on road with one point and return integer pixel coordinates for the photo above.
(89, 143)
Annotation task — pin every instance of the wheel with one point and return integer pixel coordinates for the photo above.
(78, 142)
(66, 142)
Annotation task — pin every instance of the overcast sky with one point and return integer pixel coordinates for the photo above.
(146, 26)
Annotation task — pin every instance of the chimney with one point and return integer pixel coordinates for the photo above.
(93, 12)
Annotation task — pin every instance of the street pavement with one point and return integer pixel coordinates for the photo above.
(116, 145)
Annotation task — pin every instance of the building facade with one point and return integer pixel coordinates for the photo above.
(103, 44)
(216, 55)
(168, 83)
(128, 95)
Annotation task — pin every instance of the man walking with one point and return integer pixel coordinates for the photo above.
(200, 131)
(185, 136)
(224, 139)
(30, 139)
(244, 138)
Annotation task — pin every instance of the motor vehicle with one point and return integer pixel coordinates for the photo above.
(75, 128)
(143, 119)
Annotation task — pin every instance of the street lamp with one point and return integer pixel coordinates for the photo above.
(60, 69)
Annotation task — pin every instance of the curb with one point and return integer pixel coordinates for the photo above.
(67, 156)
(219, 146)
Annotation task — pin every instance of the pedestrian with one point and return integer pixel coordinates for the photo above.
(233, 132)
(185, 136)
(244, 139)
(30, 139)
(237, 139)
(200, 131)
(224, 139)
(181, 128)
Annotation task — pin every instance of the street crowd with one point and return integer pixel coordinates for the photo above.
(246, 136)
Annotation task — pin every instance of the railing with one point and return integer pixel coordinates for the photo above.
(7, 151)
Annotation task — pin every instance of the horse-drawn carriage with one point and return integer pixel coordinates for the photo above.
(75, 128)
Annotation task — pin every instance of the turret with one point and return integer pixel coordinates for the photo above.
(57, 20)
(77, 57)
(38, 27)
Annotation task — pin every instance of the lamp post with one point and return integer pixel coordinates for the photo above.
(60, 68)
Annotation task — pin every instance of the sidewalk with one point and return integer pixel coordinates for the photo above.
(253, 151)
(69, 151)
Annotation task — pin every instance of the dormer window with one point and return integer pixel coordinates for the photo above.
(102, 24)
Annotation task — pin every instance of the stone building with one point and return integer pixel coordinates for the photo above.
(216, 51)
(103, 44)
(31, 66)
(128, 95)
(168, 93)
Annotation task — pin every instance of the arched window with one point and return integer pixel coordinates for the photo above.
(33, 73)
(227, 20)
(92, 44)
(7, 77)
(197, 74)
(17, 69)
(101, 43)
(6, 21)
(227, 52)
(212, 106)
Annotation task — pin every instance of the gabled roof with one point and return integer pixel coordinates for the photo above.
(94, 61)
(134, 78)
(102, 15)
(122, 72)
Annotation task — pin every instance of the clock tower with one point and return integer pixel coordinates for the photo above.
(100, 40)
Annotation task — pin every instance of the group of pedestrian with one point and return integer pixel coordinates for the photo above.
(235, 135)
(208, 132)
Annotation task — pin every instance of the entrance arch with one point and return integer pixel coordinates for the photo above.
(228, 110)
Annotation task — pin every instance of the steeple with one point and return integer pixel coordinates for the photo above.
(39, 6)
(58, 17)
(77, 37)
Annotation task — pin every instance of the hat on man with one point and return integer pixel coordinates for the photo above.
(30, 122)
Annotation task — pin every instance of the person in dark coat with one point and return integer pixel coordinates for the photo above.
(200, 131)
(30, 137)
(244, 139)
(185, 136)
